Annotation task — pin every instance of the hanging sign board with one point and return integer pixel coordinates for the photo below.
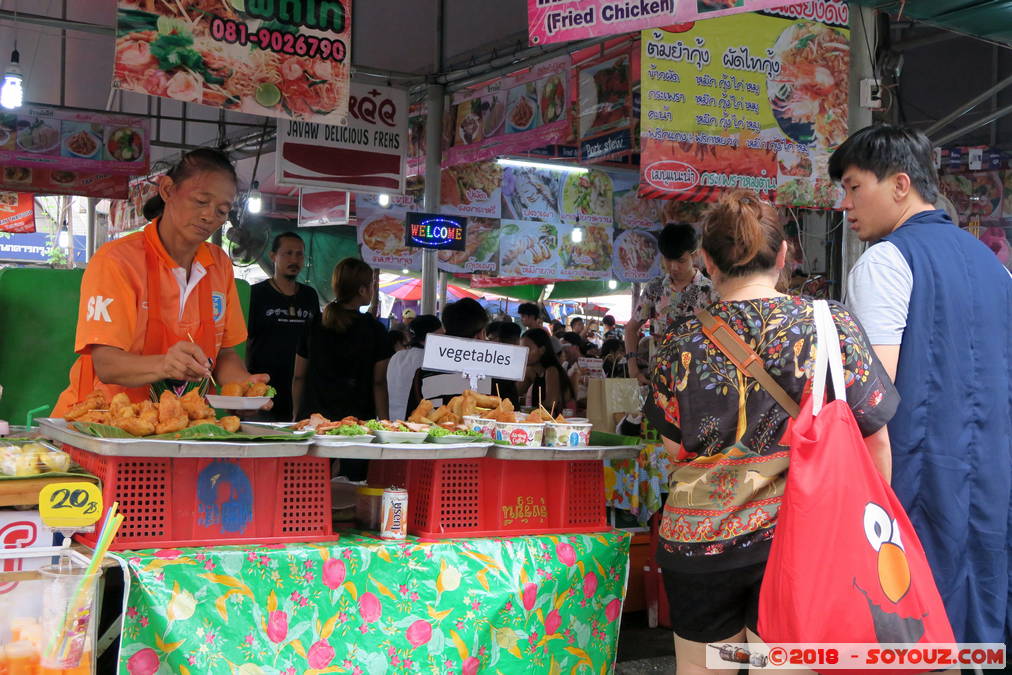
(17, 212)
(431, 230)
(368, 154)
(323, 207)
(474, 358)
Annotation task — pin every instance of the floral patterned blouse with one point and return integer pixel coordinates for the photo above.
(729, 477)
(661, 302)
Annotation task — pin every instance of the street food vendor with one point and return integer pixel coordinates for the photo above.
(160, 305)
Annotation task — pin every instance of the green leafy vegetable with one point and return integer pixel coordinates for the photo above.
(173, 48)
(201, 432)
(348, 430)
(439, 432)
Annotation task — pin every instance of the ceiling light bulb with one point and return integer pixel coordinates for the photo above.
(254, 200)
(405, 271)
(577, 235)
(12, 90)
(612, 284)
(384, 199)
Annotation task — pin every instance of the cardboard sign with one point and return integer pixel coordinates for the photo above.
(70, 505)
(431, 230)
(474, 357)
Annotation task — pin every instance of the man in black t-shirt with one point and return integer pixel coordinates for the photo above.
(279, 312)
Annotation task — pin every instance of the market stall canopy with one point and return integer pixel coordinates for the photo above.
(410, 288)
(987, 19)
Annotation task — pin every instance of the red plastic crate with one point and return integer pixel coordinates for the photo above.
(384, 473)
(493, 497)
(172, 502)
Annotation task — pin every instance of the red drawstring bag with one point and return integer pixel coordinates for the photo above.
(845, 564)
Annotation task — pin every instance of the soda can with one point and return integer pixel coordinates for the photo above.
(394, 523)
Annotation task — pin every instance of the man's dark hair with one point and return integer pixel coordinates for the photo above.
(572, 338)
(557, 328)
(464, 318)
(886, 150)
(509, 333)
(421, 326)
(608, 321)
(677, 239)
(574, 320)
(492, 330)
(284, 235)
(528, 309)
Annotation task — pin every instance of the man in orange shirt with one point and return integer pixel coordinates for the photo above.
(160, 306)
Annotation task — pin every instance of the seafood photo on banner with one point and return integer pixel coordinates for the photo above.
(186, 51)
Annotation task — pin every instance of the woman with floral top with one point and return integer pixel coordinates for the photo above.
(724, 431)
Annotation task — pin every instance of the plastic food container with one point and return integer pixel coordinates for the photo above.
(570, 435)
(524, 434)
(368, 508)
(480, 424)
(401, 436)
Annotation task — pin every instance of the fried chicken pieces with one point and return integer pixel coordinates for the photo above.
(169, 415)
(471, 402)
(247, 389)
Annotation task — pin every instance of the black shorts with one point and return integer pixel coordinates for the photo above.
(714, 606)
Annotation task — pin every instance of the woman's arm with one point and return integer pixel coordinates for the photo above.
(553, 391)
(298, 381)
(379, 388)
(183, 361)
(881, 452)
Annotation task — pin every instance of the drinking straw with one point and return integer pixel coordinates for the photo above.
(209, 362)
(76, 607)
(32, 413)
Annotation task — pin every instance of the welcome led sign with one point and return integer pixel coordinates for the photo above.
(432, 230)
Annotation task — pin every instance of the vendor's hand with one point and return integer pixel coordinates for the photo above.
(185, 361)
(257, 377)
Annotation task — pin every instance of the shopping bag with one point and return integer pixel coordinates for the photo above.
(845, 564)
(611, 397)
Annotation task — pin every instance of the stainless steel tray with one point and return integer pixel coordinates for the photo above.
(56, 429)
(399, 450)
(565, 454)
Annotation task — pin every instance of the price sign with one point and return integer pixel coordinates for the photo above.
(69, 505)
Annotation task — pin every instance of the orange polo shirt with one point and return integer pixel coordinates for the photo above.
(113, 308)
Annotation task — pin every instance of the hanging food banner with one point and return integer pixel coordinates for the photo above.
(605, 108)
(323, 207)
(47, 181)
(127, 214)
(280, 59)
(587, 198)
(481, 250)
(553, 21)
(17, 212)
(529, 249)
(416, 138)
(633, 212)
(588, 258)
(975, 195)
(513, 114)
(756, 101)
(367, 154)
(635, 256)
(66, 140)
(381, 233)
(471, 190)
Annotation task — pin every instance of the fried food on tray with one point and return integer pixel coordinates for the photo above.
(169, 415)
(195, 406)
(314, 421)
(230, 423)
(423, 413)
(539, 415)
(96, 400)
(233, 389)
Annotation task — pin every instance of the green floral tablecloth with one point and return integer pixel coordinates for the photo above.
(538, 604)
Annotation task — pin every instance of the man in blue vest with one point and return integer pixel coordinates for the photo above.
(937, 306)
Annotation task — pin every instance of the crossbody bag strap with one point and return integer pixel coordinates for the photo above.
(745, 358)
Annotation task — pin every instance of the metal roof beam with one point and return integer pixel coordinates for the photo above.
(972, 126)
(967, 107)
(56, 22)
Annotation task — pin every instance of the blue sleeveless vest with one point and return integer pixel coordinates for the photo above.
(952, 434)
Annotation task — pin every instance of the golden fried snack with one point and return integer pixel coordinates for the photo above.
(232, 389)
(560, 419)
(96, 400)
(230, 423)
(455, 404)
(504, 404)
(148, 411)
(173, 424)
(256, 389)
(133, 425)
(170, 409)
(539, 415)
(468, 406)
(95, 417)
(206, 420)
(423, 411)
(487, 400)
(120, 406)
(195, 406)
(440, 414)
